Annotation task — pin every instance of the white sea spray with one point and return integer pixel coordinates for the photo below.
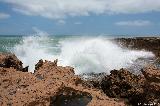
(85, 54)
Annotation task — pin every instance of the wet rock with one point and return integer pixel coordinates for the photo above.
(8, 60)
(93, 80)
(25, 69)
(122, 83)
(71, 97)
(39, 64)
(144, 89)
(146, 43)
(55, 62)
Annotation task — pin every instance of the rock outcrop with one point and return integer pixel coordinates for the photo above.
(8, 60)
(50, 85)
(123, 84)
(146, 43)
(136, 89)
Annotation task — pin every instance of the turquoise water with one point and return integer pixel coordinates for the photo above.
(6, 43)
(87, 54)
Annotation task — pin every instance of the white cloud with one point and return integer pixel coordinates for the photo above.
(59, 9)
(137, 23)
(62, 22)
(4, 15)
(78, 23)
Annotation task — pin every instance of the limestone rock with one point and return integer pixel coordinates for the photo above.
(50, 85)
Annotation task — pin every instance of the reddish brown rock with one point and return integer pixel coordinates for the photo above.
(151, 73)
(11, 81)
(50, 85)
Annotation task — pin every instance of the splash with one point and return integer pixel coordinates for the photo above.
(98, 55)
(86, 54)
(32, 48)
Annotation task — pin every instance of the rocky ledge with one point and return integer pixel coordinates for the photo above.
(50, 85)
(139, 43)
(53, 85)
(135, 89)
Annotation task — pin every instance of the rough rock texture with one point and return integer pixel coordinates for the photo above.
(53, 85)
(11, 82)
(146, 43)
(152, 84)
(8, 60)
(39, 64)
(151, 73)
(123, 84)
(50, 85)
(137, 89)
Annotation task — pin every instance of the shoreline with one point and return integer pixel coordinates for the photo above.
(57, 85)
(53, 85)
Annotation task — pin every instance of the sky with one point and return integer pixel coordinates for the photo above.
(80, 17)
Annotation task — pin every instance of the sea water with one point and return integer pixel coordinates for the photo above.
(87, 54)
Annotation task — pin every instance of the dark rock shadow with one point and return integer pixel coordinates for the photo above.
(71, 97)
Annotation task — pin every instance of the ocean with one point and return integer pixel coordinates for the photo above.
(87, 54)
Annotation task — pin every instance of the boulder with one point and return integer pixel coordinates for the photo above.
(39, 64)
(8, 60)
(136, 89)
(123, 84)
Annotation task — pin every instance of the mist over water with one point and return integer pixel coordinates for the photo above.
(85, 54)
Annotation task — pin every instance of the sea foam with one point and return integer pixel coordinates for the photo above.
(85, 54)
(98, 55)
(31, 49)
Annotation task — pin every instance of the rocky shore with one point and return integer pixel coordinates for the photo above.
(52, 85)
(139, 43)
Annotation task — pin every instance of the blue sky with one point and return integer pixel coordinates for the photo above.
(77, 17)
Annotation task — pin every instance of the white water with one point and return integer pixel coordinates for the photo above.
(31, 49)
(85, 54)
(98, 55)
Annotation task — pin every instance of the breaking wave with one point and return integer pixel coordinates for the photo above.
(98, 55)
(85, 54)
